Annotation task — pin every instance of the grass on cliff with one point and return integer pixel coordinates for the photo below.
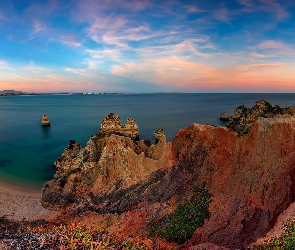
(181, 224)
(284, 242)
(69, 237)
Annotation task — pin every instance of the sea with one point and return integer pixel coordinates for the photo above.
(28, 150)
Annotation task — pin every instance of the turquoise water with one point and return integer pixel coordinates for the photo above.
(28, 150)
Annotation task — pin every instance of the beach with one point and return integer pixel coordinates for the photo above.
(19, 203)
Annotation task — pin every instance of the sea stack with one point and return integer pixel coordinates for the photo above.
(45, 121)
(224, 117)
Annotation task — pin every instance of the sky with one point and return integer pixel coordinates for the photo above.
(147, 45)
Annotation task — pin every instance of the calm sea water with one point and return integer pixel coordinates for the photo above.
(28, 150)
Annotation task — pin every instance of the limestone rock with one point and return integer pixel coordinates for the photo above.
(224, 117)
(112, 166)
(45, 121)
(243, 117)
(159, 133)
(112, 124)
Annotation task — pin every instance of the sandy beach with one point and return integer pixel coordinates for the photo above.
(19, 203)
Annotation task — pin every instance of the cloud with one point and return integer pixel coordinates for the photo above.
(246, 2)
(261, 66)
(222, 15)
(272, 48)
(275, 7)
(4, 66)
(70, 40)
(194, 9)
(38, 26)
(34, 69)
(92, 67)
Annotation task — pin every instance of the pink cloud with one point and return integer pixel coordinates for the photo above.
(246, 2)
(70, 40)
(181, 73)
(222, 15)
(265, 65)
(275, 7)
(38, 26)
(271, 48)
(194, 9)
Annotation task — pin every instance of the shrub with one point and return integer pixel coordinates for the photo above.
(72, 236)
(182, 223)
(284, 242)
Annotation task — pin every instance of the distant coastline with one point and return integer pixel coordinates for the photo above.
(21, 93)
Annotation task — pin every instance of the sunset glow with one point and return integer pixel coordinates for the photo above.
(147, 46)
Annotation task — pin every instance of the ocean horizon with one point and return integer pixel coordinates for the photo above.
(28, 150)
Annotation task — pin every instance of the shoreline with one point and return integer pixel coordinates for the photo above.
(19, 189)
(21, 203)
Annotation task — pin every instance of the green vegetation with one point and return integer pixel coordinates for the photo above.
(76, 236)
(284, 242)
(181, 224)
(71, 236)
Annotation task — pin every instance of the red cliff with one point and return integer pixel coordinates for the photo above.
(250, 177)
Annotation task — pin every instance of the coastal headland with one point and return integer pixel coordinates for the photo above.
(227, 186)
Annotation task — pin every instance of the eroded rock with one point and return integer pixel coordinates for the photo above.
(112, 124)
(106, 173)
(45, 121)
(224, 117)
(243, 117)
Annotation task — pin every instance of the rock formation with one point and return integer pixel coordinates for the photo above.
(45, 121)
(224, 117)
(159, 133)
(111, 167)
(111, 124)
(243, 117)
(251, 178)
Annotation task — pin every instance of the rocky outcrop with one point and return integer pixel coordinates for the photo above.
(45, 121)
(159, 133)
(251, 178)
(224, 117)
(107, 174)
(111, 124)
(243, 117)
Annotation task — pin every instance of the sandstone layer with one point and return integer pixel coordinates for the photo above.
(250, 177)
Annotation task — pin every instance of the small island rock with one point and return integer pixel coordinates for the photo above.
(224, 117)
(45, 121)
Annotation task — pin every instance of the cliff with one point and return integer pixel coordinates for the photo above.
(250, 178)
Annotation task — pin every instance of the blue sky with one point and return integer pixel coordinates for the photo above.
(147, 46)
